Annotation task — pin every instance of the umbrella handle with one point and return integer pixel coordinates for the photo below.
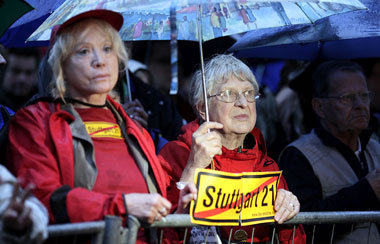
(128, 81)
(200, 35)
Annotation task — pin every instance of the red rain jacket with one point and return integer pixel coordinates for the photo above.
(41, 151)
(176, 153)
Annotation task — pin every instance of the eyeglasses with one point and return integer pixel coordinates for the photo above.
(231, 96)
(365, 97)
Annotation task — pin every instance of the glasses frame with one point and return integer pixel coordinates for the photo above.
(341, 98)
(257, 96)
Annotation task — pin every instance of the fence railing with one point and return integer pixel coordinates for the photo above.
(111, 231)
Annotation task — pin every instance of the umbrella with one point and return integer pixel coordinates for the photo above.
(150, 19)
(347, 36)
(10, 11)
(198, 20)
(19, 31)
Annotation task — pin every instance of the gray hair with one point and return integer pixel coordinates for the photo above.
(322, 74)
(219, 70)
(64, 46)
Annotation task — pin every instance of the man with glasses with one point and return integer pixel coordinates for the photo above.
(336, 167)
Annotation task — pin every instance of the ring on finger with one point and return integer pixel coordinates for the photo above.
(162, 211)
(156, 218)
(291, 205)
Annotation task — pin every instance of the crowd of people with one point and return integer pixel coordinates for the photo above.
(84, 145)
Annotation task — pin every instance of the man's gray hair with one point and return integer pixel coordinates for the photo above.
(322, 74)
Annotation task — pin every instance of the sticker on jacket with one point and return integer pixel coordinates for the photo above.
(103, 129)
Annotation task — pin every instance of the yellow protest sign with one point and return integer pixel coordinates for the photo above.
(234, 198)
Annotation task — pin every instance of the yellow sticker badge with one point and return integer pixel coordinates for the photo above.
(234, 198)
(103, 129)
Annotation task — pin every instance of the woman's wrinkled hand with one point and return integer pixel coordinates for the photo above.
(147, 207)
(206, 143)
(286, 206)
(186, 195)
(136, 111)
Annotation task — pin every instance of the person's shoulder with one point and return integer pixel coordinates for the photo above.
(5, 115)
(304, 139)
(374, 142)
(373, 146)
(292, 159)
(305, 150)
(299, 148)
(39, 111)
(170, 146)
(294, 149)
(289, 150)
(175, 152)
(38, 106)
(187, 131)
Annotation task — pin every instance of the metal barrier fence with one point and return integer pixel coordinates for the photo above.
(110, 231)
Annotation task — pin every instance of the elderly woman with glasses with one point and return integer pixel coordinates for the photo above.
(230, 142)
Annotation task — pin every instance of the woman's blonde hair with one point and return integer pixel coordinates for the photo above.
(219, 70)
(64, 46)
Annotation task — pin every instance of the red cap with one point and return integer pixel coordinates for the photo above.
(113, 18)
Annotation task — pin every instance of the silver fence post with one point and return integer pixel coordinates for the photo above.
(133, 227)
(97, 238)
(95, 228)
(335, 217)
(112, 230)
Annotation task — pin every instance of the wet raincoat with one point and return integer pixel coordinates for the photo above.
(253, 158)
(44, 139)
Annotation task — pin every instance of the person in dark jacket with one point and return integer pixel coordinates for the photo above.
(23, 218)
(233, 144)
(336, 167)
(19, 81)
(373, 82)
(155, 111)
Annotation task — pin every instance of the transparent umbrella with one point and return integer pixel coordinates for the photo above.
(345, 36)
(198, 20)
